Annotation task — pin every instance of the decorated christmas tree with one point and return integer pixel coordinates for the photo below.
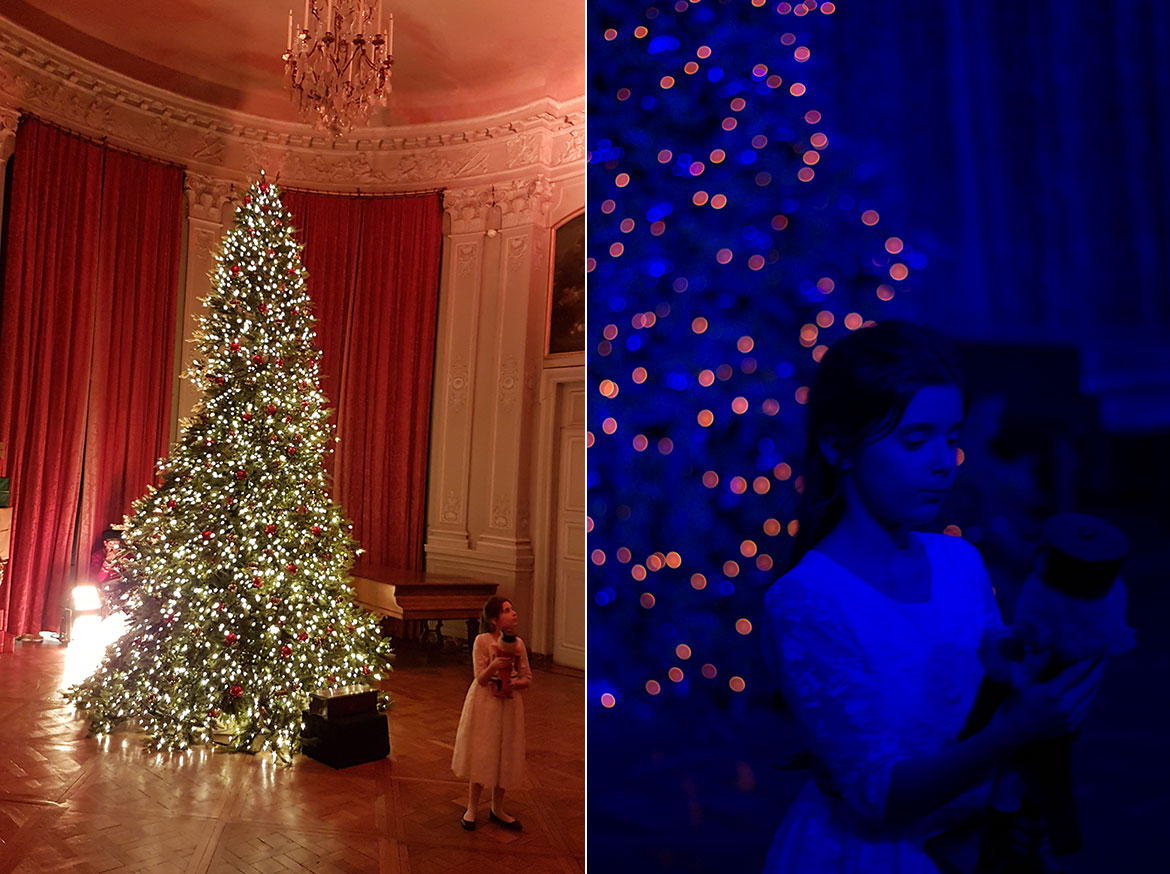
(236, 565)
(735, 232)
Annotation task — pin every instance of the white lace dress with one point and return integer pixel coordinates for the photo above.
(872, 681)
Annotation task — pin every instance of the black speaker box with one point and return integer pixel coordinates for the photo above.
(346, 740)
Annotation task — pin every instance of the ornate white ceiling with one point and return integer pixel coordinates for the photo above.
(454, 59)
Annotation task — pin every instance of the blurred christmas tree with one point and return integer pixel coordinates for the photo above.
(236, 565)
(734, 233)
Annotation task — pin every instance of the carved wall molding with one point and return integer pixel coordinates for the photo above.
(203, 242)
(524, 201)
(45, 80)
(468, 208)
(452, 507)
(206, 196)
(509, 388)
(501, 512)
(458, 383)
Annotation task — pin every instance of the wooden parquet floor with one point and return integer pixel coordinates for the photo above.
(70, 803)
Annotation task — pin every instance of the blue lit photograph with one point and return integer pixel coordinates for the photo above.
(878, 336)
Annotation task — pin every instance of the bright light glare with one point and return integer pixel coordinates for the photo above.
(90, 636)
(86, 598)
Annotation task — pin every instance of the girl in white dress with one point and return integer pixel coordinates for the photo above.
(489, 744)
(874, 631)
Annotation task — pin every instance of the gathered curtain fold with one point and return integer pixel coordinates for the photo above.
(373, 265)
(86, 352)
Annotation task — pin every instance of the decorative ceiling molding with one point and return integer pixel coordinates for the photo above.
(42, 79)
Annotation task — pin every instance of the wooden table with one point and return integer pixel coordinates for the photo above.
(410, 599)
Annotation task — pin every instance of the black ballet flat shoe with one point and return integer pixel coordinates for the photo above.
(468, 825)
(514, 825)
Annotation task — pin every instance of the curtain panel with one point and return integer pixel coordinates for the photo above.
(373, 265)
(86, 352)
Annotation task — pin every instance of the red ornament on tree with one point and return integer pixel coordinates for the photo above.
(271, 409)
(257, 582)
(366, 669)
(302, 636)
(235, 347)
(171, 504)
(206, 535)
(236, 691)
(291, 568)
(285, 651)
(264, 187)
(241, 474)
(230, 638)
(292, 450)
(235, 269)
(270, 528)
(263, 308)
(247, 417)
(316, 529)
(257, 358)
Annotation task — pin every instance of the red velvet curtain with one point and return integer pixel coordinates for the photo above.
(84, 284)
(134, 350)
(374, 277)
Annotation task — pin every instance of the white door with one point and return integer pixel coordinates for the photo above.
(569, 525)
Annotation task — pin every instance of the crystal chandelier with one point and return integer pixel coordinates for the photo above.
(337, 64)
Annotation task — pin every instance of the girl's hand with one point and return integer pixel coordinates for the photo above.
(1053, 708)
(500, 663)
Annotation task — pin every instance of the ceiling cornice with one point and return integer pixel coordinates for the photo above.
(545, 138)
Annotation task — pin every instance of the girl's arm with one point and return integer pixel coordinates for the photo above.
(925, 783)
(485, 665)
(524, 680)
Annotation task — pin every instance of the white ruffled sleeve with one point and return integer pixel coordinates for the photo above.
(827, 681)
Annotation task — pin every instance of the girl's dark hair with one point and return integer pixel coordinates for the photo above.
(859, 392)
(491, 610)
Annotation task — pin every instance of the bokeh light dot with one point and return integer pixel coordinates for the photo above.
(673, 560)
(893, 245)
(718, 201)
(796, 89)
(682, 651)
(706, 377)
(770, 406)
(801, 395)
(761, 485)
(811, 157)
(717, 156)
(763, 562)
(664, 156)
(745, 344)
(782, 471)
(647, 600)
(801, 54)
(730, 568)
(640, 443)
(710, 479)
(705, 418)
(675, 674)
(853, 321)
(690, 68)
(639, 375)
(812, 117)
(825, 319)
(588, 439)
(623, 94)
(870, 217)
(607, 700)
(638, 572)
(627, 225)
(640, 31)
(609, 425)
(743, 626)
(775, 81)
(729, 123)
(759, 141)
(806, 174)
(885, 292)
(756, 262)
(960, 456)
(698, 582)
(703, 52)
(738, 485)
(665, 446)
(652, 687)
(739, 406)
(738, 104)
(666, 82)
(607, 206)
(656, 228)
(723, 256)
(699, 198)
(737, 684)
(615, 251)
(899, 271)
(793, 527)
(953, 531)
(598, 556)
(709, 671)
(772, 527)
(787, 38)
(610, 34)
(818, 140)
(623, 555)
(819, 352)
(779, 222)
(748, 548)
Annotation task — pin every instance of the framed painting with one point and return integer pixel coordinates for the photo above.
(566, 304)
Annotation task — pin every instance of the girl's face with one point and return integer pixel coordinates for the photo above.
(508, 619)
(904, 477)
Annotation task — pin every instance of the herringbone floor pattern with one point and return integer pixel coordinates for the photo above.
(69, 803)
